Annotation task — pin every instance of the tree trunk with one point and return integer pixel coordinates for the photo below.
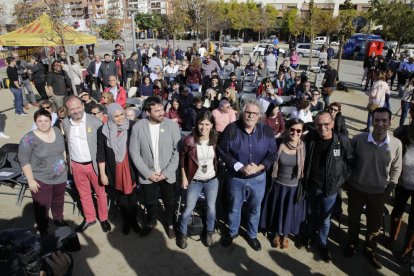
(259, 37)
(174, 39)
(238, 33)
(311, 52)
(341, 43)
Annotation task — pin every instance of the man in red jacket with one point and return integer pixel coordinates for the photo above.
(116, 90)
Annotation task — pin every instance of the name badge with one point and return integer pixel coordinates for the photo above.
(337, 152)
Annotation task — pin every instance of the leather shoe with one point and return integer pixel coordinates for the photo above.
(148, 229)
(285, 243)
(170, 233)
(226, 241)
(324, 253)
(106, 227)
(60, 223)
(276, 241)
(84, 225)
(126, 228)
(181, 241)
(254, 243)
(373, 259)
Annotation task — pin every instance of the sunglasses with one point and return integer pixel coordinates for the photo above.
(94, 113)
(46, 107)
(315, 94)
(298, 131)
(333, 109)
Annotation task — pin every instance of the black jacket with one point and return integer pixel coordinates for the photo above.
(39, 73)
(106, 154)
(337, 163)
(340, 126)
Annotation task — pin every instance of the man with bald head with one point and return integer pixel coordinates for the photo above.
(81, 134)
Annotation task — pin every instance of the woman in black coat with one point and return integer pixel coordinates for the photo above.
(340, 125)
(39, 74)
(114, 164)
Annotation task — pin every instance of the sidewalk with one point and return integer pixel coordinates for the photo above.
(116, 254)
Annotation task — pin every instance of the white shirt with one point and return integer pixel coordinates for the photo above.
(306, 117)
(114, 91)
(155, 137)
(97, 65)
(78, 141)
(205, 157)
(371, 140)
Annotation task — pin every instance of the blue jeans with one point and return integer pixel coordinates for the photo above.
(405, 106)
(18, 100)
(194, 86)
(252, 191)
(319, 214)
(193, 192)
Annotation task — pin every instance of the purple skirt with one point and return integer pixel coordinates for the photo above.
(282, 214)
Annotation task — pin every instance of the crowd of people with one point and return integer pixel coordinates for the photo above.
(196, 131)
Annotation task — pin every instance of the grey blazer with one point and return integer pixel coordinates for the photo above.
(92, 125)
(140, 148)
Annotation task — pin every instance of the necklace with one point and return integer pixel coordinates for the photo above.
(205, 156)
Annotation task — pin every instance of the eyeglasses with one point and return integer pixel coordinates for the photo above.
(248, 113)
(94, 113)
(112, 80)
(315, 94)
(298, 131)
(46, 107)
(333, 109)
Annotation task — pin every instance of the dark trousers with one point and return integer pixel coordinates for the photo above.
(374, 209)
(48, 197)
(98, 84)
(128, 205)
(40, 87)
(401, 197)
(151, 192)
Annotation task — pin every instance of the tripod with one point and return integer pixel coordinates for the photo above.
(409, 101)
(259, 57)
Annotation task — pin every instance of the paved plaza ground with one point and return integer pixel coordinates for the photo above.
(116, 254)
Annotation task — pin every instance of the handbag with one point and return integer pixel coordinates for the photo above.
(372, 106)
(327, 91)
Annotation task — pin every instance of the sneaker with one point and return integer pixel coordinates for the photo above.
(22, 114)
(2, 135)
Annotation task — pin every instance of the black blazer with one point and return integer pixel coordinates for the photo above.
(106, 154)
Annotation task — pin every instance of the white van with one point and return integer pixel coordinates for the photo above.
(320, 40)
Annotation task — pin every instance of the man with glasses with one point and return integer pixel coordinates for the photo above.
(248, 148)
(81, 134)
(376, 170)
(328, 156)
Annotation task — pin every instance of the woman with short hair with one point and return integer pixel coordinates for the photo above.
(42, 158)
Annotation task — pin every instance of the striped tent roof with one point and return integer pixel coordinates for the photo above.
(41, 32)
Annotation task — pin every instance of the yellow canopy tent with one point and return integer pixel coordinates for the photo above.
(41, 32)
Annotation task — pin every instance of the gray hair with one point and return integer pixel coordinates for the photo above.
(223, 102)
(253, 102)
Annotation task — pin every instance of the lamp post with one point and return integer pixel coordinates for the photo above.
(134, 41)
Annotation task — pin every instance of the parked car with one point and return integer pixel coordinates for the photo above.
(303, 50)
(269, 39)
(228, 48)
(320, 40)
(261, 48)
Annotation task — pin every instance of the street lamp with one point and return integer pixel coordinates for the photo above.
(134, 42)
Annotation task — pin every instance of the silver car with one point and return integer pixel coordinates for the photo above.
(228, 48)
(261, 48)
(303, 50)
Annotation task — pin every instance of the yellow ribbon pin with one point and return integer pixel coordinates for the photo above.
(89, 130)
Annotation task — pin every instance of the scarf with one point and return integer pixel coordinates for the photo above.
(117, 142)
(300, 157)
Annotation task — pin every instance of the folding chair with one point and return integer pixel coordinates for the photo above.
(287, 110)
(197, 94)
(132, 91)
(246, 97)
(249, 89)
(8, 177)
(136, 102)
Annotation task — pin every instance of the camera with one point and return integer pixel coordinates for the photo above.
(23, 253)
